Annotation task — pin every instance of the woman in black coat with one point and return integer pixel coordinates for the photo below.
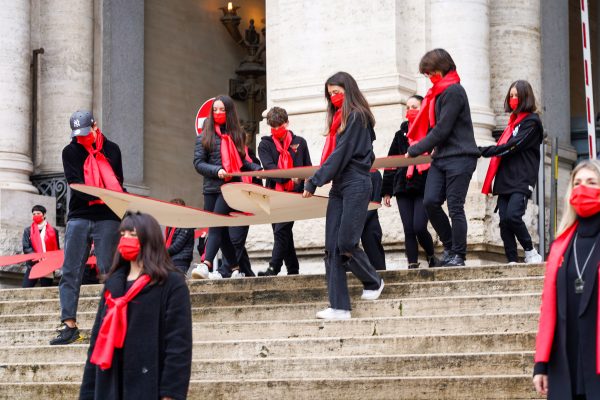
(150, 358)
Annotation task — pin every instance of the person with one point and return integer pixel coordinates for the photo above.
(567, 358)
(141, 341)
(443, 126)
(219, 151)
(91, 159)
(282, 149)
(408, 185)
(180, 243)
(372, 235)
(514, 169)
(350, 147)
(39, 237)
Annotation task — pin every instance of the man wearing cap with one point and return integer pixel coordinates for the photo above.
(90, 159)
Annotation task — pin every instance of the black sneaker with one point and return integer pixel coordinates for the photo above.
(455, 261)
(67, 335)
(446, 257)
(413, 265)
(269, 272)
(433, 261)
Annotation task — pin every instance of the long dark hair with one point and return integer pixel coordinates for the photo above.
(525, 96)
(153, 254)
(354, 101)
(232, 126)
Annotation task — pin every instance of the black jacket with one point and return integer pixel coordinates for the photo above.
(518, 170)
(453, 133)
(208, 163)
(156, 358)
(353, 154)
(73, 158)
(395, 181)
(181, 249)
(28, 247)
(269, 156)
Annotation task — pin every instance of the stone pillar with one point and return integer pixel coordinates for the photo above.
(66, 34)
(15, 96)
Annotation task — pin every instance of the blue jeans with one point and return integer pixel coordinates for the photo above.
(346, 216)
(79, 236)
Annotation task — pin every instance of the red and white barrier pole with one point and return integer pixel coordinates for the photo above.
(587, 70)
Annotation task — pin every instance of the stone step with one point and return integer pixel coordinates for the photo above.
(513, 363)
(305, 347)
(304, 281)
(362, 309)
(473, 287)
(393, 388)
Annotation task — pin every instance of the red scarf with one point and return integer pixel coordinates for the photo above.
(330, 141)
(548, 309)
(513, 122)
(36, 239)
(113, 330)
(230, 156)
(169, 232)
(285, 161)
(97, 171)
(426, 116)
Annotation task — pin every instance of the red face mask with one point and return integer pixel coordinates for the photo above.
(129, 247)
(513, 103)
(411, 114)
(220, 118)
(38, 219)
(337, 99)
(279, 133)
(86, 141)
(585, 200)
(435, 78)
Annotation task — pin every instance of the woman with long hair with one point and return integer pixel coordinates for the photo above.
(141, 342)
(567, 358)
(220, 150)
(348, 162)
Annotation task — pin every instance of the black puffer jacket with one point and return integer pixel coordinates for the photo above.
(181, 249)
(395, 181)
(208, 163)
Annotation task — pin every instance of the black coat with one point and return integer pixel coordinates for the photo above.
(156, 358)
(395, 181)
(28, 247)
(208, 163)
(181, 249)
(73, 158)
(520, 162)
(269, 156)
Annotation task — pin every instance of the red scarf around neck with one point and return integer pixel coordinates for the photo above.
(330, 140)
(426, 116)
(285, 161)
(49, 238)
(513, 122)
(230, 156)
(169, 232)
(113, 330)
(97, 171)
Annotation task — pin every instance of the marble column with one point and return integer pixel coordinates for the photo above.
(15, 96)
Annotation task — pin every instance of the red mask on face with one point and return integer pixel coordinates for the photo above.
(513, 103)
(279, 133)
(435, 78)
(411, 114)
(220, 118)
(585, 200)
(129, 247)
(86, 141)
(38, 219)
(337, 99)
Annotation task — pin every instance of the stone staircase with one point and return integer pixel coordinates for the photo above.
(446, 333)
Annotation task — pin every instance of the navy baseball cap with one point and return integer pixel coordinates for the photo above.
(81, 123)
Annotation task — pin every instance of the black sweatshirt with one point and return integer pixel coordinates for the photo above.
(73, 158)
(453, 133)
(269, 156)
(520, 162)
(353, 154)
(395, 181)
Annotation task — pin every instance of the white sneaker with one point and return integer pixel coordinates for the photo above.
(513, 263)
(532, 257)
(372, 294)
(215, 275)
(237, 274)
(200, 272)
(332, 313)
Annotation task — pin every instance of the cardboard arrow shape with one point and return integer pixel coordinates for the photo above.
(49, 262)
(18, 258)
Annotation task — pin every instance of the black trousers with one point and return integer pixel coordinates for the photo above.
(29, 283)
(511, 208)
(448, 181)
(371, 240)
(218, 237)
(284, 249)
(238, 236)
(414, 220)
